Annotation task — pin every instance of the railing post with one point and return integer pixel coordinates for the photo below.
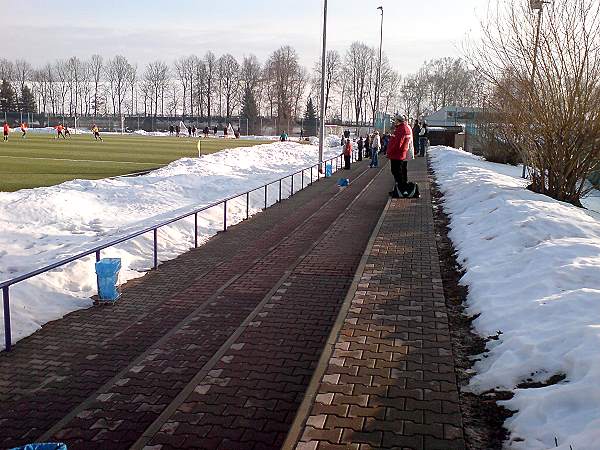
(225, 215)
(311, 175)
(266, 196)
(292, 187)
(247, 205)
(280, 190)
(155, 233)
(97, 255)
(195, 230)
(302, 179)
(7, 333)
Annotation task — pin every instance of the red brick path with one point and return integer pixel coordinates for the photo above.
(387, 378)
(215, 348)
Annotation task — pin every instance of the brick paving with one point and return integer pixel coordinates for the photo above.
(103, 377)
(387, 378)
(227, 346)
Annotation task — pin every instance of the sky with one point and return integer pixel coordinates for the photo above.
(146, 30)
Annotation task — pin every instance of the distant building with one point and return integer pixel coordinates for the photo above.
(453, 116)
(451, 126)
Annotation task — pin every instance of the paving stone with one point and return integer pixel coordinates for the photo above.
(72, 357)
(396, 333)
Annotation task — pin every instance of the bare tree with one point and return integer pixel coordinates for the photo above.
(284, 71)
(183, 69)
(118, 72)
(358, 59)
(229, 78)
(333, 63)
(211, 68)
(156, 77)
(551, 115)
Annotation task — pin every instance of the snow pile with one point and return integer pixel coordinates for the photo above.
(533, 271)
(41, 226)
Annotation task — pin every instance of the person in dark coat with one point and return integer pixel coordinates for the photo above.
(361, 146)
(215, 130)
(171, 130)
(423, 138)
(368, 146)
(384, 143)
(177, 130)
(416, 130)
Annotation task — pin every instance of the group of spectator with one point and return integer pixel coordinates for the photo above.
(192, 131)
(405, 143)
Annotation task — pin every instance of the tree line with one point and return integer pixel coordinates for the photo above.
(223, 86)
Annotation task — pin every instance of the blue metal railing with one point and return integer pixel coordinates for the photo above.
(5, 285)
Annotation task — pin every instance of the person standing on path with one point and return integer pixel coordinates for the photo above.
(347, 154)
(398, 153)
(416, 131)
(423, 138)
(23, 129)
(361, 145)
(5, 131)
(367, 146)
(375, 147)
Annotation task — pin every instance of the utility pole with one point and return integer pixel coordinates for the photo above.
(378, 87)
(322, 111)
(539, 6)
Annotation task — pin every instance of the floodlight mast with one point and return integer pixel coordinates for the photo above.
(322, 108)
(535, 5)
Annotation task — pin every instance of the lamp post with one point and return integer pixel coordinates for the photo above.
(323, 112)
(535, 5)
(378, 86)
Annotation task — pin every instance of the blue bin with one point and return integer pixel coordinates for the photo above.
(343, 182)
(328, 170)
(107, 272)
(44, 446)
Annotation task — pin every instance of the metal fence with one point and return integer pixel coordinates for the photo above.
(307, 176)
(264, 126)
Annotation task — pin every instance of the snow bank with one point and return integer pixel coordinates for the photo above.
(533, 271)
(40, 226)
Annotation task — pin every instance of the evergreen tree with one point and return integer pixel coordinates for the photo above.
(250, 111)
(310, 119)
(27, 101)
(7, 97)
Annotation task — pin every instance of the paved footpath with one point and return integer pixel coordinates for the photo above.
(226, 347)
(213, 350)
(386, 377)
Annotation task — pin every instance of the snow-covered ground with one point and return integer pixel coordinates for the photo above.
(533, 270)
(43, 225)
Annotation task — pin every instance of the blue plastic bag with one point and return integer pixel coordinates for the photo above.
(107, 271)
(343, 182)
(43, 446)
(328, 170)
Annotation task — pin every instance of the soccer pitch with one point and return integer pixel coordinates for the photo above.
(41, 160)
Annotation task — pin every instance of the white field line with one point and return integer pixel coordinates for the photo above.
(79, 160)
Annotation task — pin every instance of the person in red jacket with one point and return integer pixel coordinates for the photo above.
(397, 152)
(347, 154)
(5, 131)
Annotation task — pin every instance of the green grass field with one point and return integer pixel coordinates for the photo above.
(41, 160)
